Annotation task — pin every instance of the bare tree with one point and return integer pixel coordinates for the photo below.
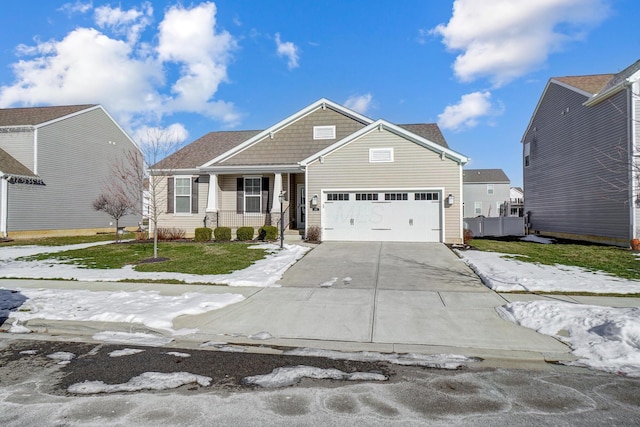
(115, 205)
(131, 175)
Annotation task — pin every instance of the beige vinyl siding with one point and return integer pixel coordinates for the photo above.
(18, 142)
(414, 167)
(74, 158)
(295, 142)
(636, 142)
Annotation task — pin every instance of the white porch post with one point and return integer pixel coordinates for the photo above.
(277, 189)
(212, 196)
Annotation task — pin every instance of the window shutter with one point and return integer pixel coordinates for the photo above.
(194, 195)
(265, 194)
(169, 195)
(240, 195)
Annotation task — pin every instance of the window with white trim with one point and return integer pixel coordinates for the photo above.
(182, 194)
(490, 189)
(396, 196)
(427, 196)
(366, 196)
(380, 155)
(477, 207)
(252, 194)
(324, 132)
(335, 197)
(527, 153)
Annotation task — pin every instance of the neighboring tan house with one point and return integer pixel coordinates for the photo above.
(53, 162)
(486, 192)
(352, 177)
(580, 158)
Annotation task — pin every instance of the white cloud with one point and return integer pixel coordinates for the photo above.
(77, 7)
(130, 22)
(465, 113)
(503, 40)
(113, 67)
(359, 103)
(288, 50)
(175, 133)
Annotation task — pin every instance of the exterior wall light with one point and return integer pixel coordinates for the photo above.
(450, 199)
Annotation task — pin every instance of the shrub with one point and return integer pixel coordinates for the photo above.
(271, 230)
(467, 236)
(222, 234)
(203, 234)
(245, 233)
(313, 233)
(170, 233)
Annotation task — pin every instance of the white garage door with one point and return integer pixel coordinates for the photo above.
(382, 216)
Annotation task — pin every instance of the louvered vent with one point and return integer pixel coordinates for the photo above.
(380, 155)
(324, 132)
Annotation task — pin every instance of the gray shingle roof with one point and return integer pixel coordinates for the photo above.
(429, 131)
(214, 144)
(11, 166)
(480, 176)
(205, 148)
(592, 84)
(30, 116)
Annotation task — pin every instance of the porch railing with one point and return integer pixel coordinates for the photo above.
(233, 219)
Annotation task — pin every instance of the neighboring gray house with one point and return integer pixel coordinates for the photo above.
(486, 192)
(580, 158)
(53, 162)
(352, 177)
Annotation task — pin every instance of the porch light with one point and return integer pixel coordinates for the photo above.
(314, 201)
(450, 199)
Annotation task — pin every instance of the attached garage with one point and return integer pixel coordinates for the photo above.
(383, 215)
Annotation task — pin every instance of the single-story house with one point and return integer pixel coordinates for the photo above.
(486, 192)
(346, 175)
(53, 164)
(580, 158)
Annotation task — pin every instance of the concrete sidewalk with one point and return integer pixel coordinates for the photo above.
(387, 297)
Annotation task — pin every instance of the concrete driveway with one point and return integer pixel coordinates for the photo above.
(380, 296)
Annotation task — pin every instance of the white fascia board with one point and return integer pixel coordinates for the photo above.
(395, 129)
(535, 110)
(283, 124)
(596, 99)
(252, 169)
(171, 172)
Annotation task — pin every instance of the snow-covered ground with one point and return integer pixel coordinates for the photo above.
(606, 338)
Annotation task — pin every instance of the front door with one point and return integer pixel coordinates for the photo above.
(301, 206)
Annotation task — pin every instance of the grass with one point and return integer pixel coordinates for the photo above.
(613, 260)
(66, 240)
(189, 258)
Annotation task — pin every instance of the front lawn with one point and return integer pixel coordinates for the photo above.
(182, 257)
(616, 261)
(67, 240)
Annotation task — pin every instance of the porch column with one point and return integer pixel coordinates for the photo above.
(212, 197)
(277, 189)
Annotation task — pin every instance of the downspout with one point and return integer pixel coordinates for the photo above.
(634, 172)
(35, 151)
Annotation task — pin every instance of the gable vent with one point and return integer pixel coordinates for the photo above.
(324, 132)
(380, 155)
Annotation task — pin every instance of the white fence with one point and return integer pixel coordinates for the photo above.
(495, 226)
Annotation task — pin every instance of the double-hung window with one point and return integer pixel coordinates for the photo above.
(252, 194)
(183, 194)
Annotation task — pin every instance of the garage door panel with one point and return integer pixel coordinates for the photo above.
(405, 220)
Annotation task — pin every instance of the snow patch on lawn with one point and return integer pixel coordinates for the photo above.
(289, 375)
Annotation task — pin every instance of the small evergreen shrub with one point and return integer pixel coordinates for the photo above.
(203, 234)
(313, 233)
(222, 234)
(245, 233)
(171, 233)
(271, 230)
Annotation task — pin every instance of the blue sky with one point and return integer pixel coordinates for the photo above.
(475, 67)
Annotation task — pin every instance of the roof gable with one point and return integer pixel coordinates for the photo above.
(482, 176)
(10, 166)
(589, 84)
(400, 131)
(32, 116)
(322, 104)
